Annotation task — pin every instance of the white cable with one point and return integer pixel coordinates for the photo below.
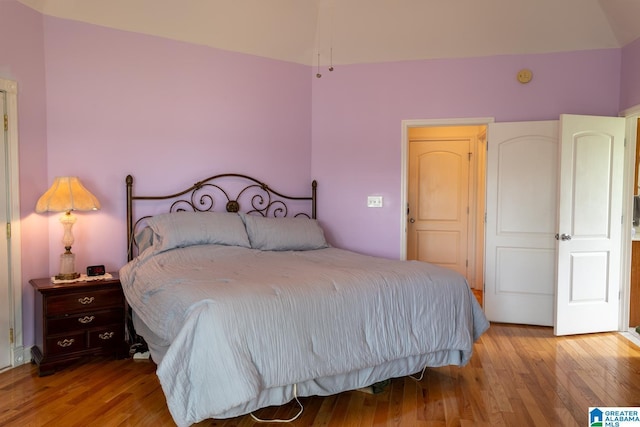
(295, 396)
(421, 375)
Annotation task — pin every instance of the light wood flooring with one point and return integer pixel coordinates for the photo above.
(518, 376)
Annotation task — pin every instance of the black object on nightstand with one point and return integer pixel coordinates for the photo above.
(77, 319)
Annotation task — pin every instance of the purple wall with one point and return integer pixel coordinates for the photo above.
(358, 110)
(22, 60)
(119, 103)
(630, 80)
(167, 112)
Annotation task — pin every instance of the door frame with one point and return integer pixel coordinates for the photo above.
(404, 167)
(631, 115)
(18, 356)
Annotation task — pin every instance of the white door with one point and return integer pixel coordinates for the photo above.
(589, 224)
(521, 211)
(439, 203)
(5, 296)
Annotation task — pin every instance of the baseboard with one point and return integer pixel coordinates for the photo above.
(21, 355)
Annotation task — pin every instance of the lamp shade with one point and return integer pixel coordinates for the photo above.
(67, 194)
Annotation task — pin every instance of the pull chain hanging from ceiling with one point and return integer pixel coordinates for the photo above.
(318, 74)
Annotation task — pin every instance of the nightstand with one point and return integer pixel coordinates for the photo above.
(77, 319)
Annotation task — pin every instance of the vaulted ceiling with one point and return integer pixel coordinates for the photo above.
(365, 31)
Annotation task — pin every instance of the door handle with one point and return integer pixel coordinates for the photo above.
(564, 236)
(411, 220)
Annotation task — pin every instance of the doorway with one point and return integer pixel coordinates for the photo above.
(443, 222)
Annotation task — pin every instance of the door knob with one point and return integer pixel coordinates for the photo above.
(411, 220)
(563, 237)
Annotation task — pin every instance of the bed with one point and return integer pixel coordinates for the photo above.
(243, 304)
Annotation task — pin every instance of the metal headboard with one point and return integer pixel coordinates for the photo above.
(204, 196)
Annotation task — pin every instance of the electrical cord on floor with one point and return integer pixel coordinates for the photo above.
(421, 375)
(295, 417)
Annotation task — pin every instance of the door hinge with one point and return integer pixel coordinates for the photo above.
(11, 335)
(469, 156)
(8, 230)
(6, 123)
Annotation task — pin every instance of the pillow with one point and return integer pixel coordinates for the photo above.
(284, 234)
(180, 229)
(144, 239)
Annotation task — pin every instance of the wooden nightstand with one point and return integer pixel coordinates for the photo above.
(77, 319)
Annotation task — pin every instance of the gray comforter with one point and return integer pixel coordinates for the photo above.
(245, 325)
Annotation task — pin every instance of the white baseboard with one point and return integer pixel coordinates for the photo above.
(632, 336)
(21, 355)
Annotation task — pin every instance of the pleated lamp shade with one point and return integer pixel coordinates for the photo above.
(67, 194)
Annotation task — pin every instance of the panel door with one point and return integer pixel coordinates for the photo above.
(589, 224)
(439, 202)
(521, 211)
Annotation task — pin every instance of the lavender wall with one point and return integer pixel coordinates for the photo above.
(22, 60)
(630, 80)
(166, 112)
(119, 103)
(358, 110)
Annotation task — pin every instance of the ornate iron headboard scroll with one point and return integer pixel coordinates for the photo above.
(205, 195)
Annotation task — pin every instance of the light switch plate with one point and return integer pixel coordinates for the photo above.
(374, 201)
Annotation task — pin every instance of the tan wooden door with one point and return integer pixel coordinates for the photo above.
(438, 211)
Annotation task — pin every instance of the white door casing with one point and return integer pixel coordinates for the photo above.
(5, 295)
(521, 206)
(589, 224)
(11, 195)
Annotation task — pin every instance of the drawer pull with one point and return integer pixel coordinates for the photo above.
(106, 336)
(86, 300)
(66, 342)
(86, 319)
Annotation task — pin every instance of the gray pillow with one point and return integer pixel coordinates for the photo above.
(180, 229)
(284, 234)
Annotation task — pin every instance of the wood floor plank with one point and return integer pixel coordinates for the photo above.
(518, 375)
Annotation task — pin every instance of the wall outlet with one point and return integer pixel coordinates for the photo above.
(374, 201)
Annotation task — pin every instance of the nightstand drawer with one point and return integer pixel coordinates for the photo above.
(81, 321)
(83, 301)
(67, 343)
(106, 337)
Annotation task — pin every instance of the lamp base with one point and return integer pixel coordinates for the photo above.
(67, 276)
(67, 266)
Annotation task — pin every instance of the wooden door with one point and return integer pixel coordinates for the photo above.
(521, 222)
(589, 224)
(438, 212)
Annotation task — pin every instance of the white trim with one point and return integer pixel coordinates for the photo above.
(404, 168)
(632, 336)
(631, 115)
(15, 279)
(631, 111)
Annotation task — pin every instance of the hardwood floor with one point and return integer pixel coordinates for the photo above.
(518, 375)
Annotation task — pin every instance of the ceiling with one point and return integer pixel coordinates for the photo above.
(365, 31)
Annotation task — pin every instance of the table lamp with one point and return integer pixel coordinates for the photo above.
(67, 194)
